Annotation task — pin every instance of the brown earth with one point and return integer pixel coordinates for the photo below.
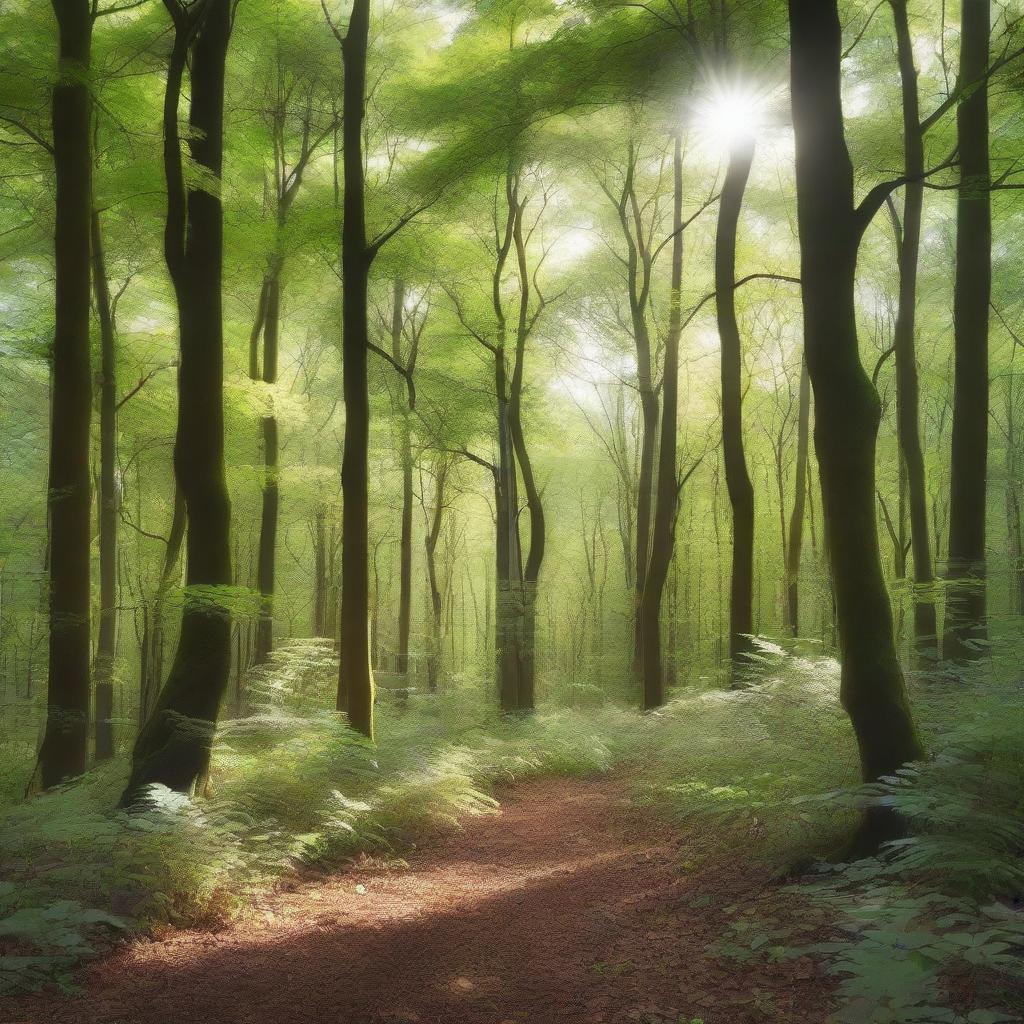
(570, 907)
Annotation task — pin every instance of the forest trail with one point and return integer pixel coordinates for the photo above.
(571, 906)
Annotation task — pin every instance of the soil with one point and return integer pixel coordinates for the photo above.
(570, 907)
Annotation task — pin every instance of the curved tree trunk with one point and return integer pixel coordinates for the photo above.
(66, 738)
(737, 477)
(534, 501)
(174, 747)
(965, 624)
(667, 498)
(847, 410)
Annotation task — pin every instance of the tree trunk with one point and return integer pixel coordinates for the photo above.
(534, 501)
(266, 558)
(405, 541)
(737, 477)
(174, 747)
(847, 409)
(106, 645)
(355, 682)
(965, 626)
(907, 389)
(435, 601)
(66, 738)
(796, 519)
(667, 497)
(319, 572)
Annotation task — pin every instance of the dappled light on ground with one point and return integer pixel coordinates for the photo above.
(570, 906)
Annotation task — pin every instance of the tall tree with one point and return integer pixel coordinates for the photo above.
(174, 746)
(106, 642)
(289, 103)
(737, 476)
(666, 499)
(908, 236)
(965, 624)
(65, 741)
(796, 519)
(355, 681)
(847, 408)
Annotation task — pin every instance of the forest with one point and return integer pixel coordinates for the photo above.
(511, 512)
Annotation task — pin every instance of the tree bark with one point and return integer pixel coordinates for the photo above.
(355, 682)
(667, 496)
(174, 747)
(436, 604)
(267, 551)
(907, 389)
(106, 644)
(65, 743)
(405, 540)
(796, 519)
(847, 409)
(965, 629)
(737, 477)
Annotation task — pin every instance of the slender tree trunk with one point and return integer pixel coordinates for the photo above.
(266, 558)
(106, 645)
(435, 600)
(355, 683)
(534, 501)
(847, 410)
(319, 572)
(737, 477)
(796, 519)
(66, 738)
(508, 638)
(907, 389)
(405, 540)
(965, 626)
(667, 497)
(174, 747)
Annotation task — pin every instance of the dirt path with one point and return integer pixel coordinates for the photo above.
(572, 906)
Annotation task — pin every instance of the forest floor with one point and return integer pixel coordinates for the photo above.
(572, 905)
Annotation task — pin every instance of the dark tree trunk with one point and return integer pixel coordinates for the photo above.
(405, 541)
(534, 501)
(153, 676)
(266, 558)
(355, 682)
(737, 477)
(436, 604)
(174, 747)
(509, 569)
(66, 739)
(106, 645)
(847, 410)
(965, 626)
(667, 497)
(907, 389)
(796, 519)
(320, 572)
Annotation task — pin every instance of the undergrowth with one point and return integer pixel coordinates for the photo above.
(769, 770)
